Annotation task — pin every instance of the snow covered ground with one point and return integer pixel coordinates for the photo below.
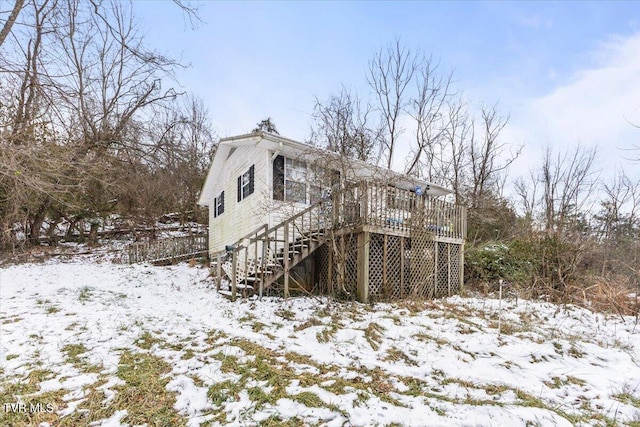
(88, 342)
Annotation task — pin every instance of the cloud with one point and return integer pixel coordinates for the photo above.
(534, 21)
(594, 108)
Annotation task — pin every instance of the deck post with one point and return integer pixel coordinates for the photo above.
(402, 255)
(461, 267)
(365, 203)
(363, 267)
(234, 275)
(330, 244)
(219, 270)
(385, 262)
(285, 254)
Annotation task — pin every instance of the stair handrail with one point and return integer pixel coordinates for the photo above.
(237, 244)
(324, 200)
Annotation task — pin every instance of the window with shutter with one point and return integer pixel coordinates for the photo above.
(218, 205)
(278, 178)
(246, 183)
(297, 181)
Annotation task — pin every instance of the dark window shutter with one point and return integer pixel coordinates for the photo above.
(278, 178)
(251, 178)
(215, 207)
(240, 188)
(221, 203)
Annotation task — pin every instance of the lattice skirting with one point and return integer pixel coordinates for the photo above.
(399, 267)
(337, 260)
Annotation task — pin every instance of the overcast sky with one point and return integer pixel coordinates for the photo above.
(565, 73)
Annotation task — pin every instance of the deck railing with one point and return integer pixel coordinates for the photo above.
(387, 207)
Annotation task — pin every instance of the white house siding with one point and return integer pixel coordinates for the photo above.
(240, 218)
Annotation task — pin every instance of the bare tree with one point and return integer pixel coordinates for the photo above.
(78, 89)
(428, 109)
(11, 20)
(390, 72)
(487, 156)
(343, 125)
(568, 182)
(456, 136)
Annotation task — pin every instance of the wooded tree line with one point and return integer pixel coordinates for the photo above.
(90, 122)
(564, 231)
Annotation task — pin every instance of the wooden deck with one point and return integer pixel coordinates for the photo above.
(360, 237)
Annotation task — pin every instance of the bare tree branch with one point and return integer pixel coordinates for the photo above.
(13, 16)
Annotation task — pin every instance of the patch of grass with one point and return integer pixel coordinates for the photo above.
(458, 381)
(309, 399)
(73, 352)
(11, 320)
(395, 318)
(188, 354)
(313, 321)
(438, 410)
(144, 394)
(260, 397)
(493, 389)
(277, 421)
(223, 391)
(286, 314)
(52, 309)
(535, 358)
(574, 351)
(11, 356)
(146, 340)
(301, 359)
(528, 400)
(323, 312)
(229, 363)
(373, 334)
(248, 317)
(327, 333)
(395, 355)
(257, 326)
(27, 390)
(214, 335)
(465, 330)
(413, 306)
(84, 294)
(557, 382)
(71, 326)
(628, 398)
(424, 337)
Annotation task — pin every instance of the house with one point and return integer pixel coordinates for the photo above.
(285, 216)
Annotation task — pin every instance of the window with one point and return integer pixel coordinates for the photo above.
(218, 205)
(246, 183)
(296, 181)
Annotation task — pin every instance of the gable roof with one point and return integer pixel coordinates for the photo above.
(290, 148)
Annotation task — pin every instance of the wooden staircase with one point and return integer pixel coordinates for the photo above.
(257, 262)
